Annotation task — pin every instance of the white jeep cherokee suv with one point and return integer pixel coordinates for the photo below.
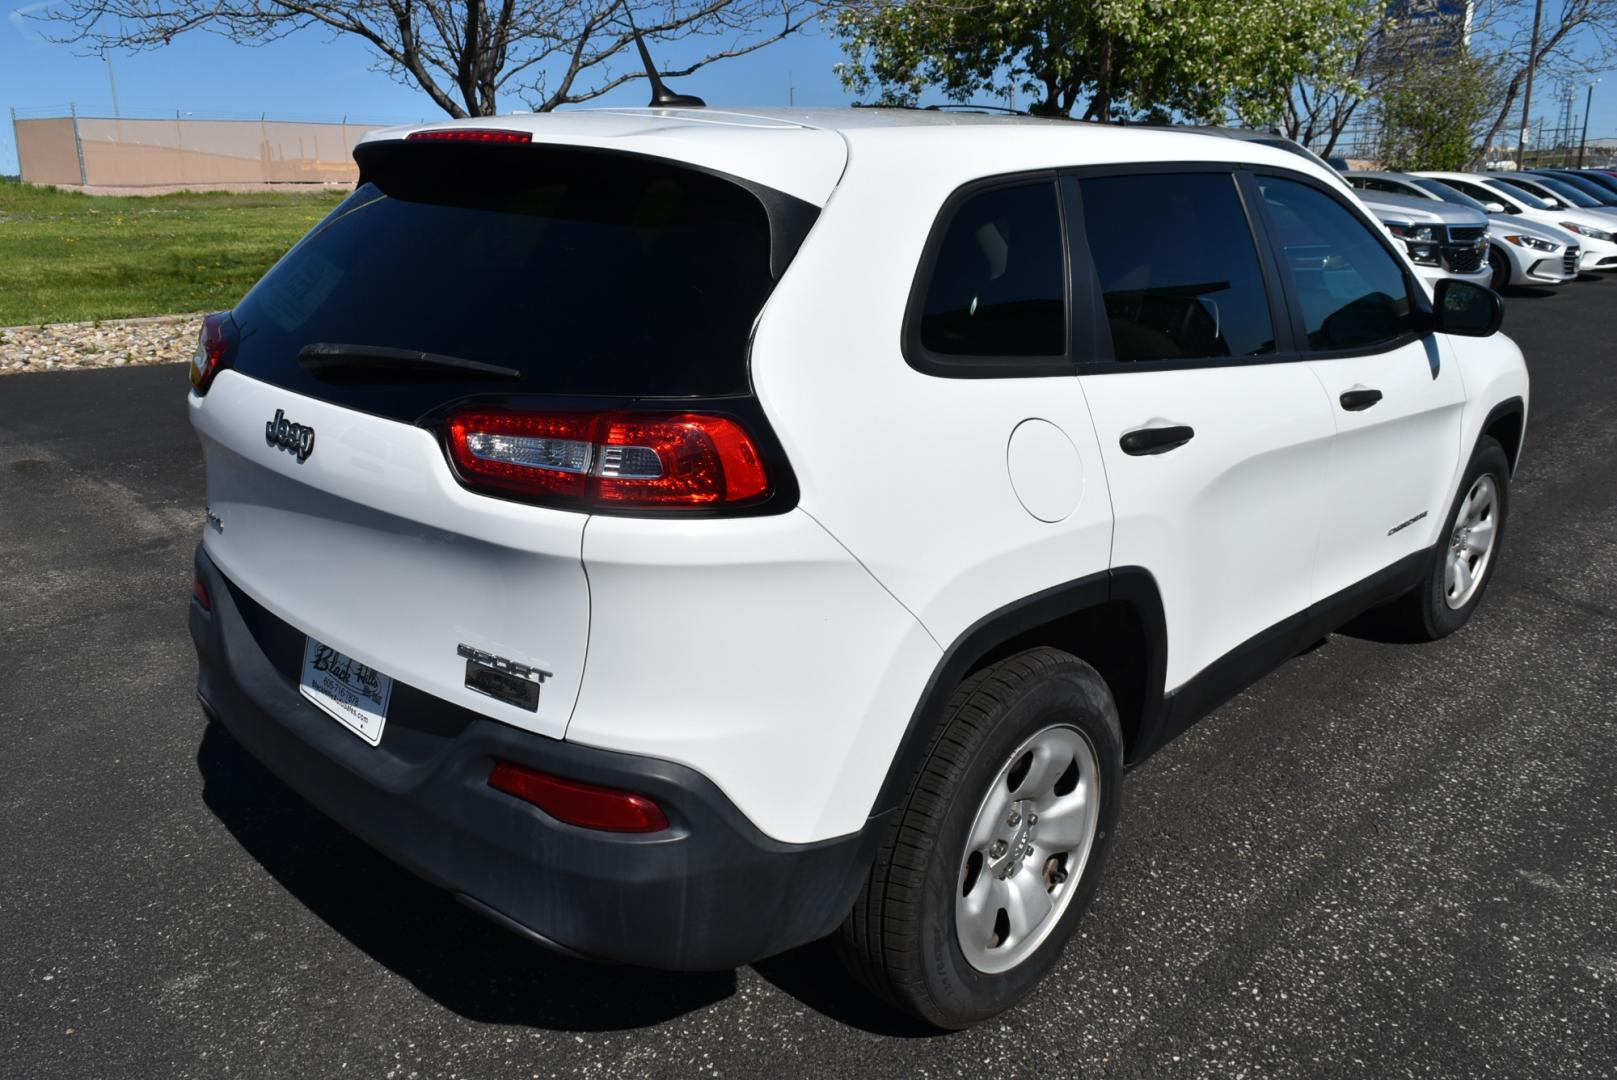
(685, 533)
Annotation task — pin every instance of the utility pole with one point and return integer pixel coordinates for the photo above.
(113, 82)
(1527, 98)
(1583, 140)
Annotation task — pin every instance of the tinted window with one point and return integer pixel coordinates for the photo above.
(998, 287)
(1450, 195)
(1521, 195)
(1483, 195)
(587, 274)
(1604, 196)
(1352, 290)
(1566, 192)
(1177, 266)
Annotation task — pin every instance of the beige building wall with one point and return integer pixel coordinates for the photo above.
(153, 153)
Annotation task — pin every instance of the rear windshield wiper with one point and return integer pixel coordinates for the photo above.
(350, 361)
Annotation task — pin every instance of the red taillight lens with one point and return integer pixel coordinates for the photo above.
(217, 335)
(586, 805)
(623, 460)
(470, 135)
(199, 593)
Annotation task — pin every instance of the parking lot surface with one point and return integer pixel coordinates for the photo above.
(1384, 860)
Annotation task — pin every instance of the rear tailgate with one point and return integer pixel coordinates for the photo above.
(529, 279)
(370, 546)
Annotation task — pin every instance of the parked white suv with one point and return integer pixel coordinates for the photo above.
(685, 533)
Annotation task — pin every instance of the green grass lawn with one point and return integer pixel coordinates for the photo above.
(66, 257)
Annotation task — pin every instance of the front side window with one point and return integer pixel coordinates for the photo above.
(1177, 267)
(1352, 290)
(998, 286)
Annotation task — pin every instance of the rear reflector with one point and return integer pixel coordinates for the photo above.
(218, 334)
(469, 135)
(576, 803)
(606, 460)
(199, 593)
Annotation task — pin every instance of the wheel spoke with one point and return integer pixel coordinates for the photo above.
(1481, 537)
(983, 902)
(1026, 904)
(1048, 764)
(1462, 575)
(1451, 575)
(1068, 823)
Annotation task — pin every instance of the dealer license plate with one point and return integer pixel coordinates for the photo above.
(356, 696)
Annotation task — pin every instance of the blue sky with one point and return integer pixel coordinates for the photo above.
(316, 77)
(313, 76)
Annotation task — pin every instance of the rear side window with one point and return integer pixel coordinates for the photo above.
(1177, 266)
(1351, 289)
(998, 282)
(590, 274)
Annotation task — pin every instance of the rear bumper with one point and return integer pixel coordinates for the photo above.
(710, 892)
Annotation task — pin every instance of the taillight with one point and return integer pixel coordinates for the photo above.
(470, 135)
(608, 460)
(577, 803)
(199, 593)
(217, 335)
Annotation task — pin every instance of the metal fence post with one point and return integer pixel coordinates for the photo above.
(78, 144)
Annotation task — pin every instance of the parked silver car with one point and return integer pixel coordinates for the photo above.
(1520, 251)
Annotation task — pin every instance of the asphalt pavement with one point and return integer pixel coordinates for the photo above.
(1384, 860)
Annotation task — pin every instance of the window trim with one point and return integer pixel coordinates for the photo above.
(1105, 357)
(1419, 304)
(944, 365)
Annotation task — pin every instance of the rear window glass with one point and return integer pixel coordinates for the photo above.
(588, 273)
(998, 285)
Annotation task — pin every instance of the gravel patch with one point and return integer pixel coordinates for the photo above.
(164, 339)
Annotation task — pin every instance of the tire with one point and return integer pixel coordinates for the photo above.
(1436, 607)
(1500, 277)
(1003, 734)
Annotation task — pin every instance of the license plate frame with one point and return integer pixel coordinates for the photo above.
(353, 694)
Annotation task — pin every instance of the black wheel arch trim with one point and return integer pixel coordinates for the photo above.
(1131, 585)
(1163, 715)
(1511, 406)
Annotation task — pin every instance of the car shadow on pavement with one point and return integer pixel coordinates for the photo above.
(814, 975)
(463, 962)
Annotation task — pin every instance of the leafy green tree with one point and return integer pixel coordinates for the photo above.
(1139, 59)
(1433, 113)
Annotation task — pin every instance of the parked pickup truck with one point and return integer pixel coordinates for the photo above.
(1442, 240)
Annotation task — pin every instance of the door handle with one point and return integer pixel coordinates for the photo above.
(1359, 400)
(1155, 440)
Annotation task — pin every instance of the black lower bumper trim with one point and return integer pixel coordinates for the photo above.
(710, 892)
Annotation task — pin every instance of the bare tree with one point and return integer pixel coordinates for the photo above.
(1579, 39)
(465, 55)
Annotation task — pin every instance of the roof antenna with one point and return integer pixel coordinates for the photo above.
(661, 96)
